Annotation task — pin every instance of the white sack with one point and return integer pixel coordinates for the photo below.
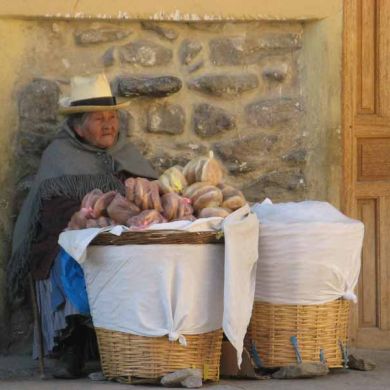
(309, 253)
(156, 290)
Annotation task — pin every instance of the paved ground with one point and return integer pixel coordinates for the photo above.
(19, 372)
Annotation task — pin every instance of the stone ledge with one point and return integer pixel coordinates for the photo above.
(174, 10)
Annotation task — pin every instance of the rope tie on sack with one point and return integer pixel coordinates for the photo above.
(174, 336)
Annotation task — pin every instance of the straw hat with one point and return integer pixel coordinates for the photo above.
(90, 93)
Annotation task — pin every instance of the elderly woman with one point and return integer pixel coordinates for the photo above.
(90, 151)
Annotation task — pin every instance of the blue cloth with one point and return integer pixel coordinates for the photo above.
(57, 293)
(72, 282)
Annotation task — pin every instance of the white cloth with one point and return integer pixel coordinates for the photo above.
(156, 290)
(76, 242)
(241, 254)
(310, 253)
(174, 290)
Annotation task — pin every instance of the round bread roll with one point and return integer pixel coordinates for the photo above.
(190, 190)
(173, 180)
(211, 198)
(209, 212)
(234, 202)
(211, 171)
(203, 190)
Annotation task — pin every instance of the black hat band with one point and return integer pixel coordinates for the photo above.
(100, 101)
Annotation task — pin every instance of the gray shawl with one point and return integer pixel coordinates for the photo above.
(69, 168)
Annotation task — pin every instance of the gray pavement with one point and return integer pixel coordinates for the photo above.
(19, 372)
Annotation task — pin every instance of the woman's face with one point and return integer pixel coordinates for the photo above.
(100, 129)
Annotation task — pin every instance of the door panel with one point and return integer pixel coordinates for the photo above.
(366, 127)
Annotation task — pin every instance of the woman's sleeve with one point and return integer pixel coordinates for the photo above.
(54, 217)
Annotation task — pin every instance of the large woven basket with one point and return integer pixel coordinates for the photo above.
(130, 358)
(321, 332)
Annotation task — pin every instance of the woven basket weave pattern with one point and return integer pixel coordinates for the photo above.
(128, 356)
(161, 237)
(317, 327)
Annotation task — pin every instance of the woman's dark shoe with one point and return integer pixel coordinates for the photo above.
(71, 364)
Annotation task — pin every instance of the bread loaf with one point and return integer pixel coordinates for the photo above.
(120, 209)
(154, 201)
(92, 223)
(204, 169)
(190, 190)
(176, 207)
(145, 219)
(233, 198)
(90, 199)
(141, 193)
(102, 203)
(206, 196)
(104, 222)
(130, 189)
(79, 219)
(172, 180)
(211, 198)
(234, 202)
(209, 212)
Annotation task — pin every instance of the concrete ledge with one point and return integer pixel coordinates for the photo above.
(172, 10)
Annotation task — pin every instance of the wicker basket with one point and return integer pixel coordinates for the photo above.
(317, 328)
(137, 359)
(129, 357)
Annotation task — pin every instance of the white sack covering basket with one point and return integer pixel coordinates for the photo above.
(309, 253)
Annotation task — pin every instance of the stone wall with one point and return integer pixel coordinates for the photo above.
(234, 88)
(264, 96)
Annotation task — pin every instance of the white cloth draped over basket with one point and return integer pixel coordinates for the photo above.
(309, 253)
(174, 290)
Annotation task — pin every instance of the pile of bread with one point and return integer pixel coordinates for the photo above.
(180, 193)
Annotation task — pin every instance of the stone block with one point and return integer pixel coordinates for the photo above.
(250, 49)
(161, 30)
(245, 154)
(40, 128)
(126, 122)
(195, 66)
(165, 161)
(192, 382)
(302, 370)
(271, 112)
(31, 143)
(188, 50)
(166, 118)
(177, 377)
(237, 167)
(277, 185)
(145, 53)
(247, 147)
(140, 144)
(147, 86)
(275, 73)
(208, 120)
(38, 101)
(100, 35)
(360, 364)
(109, 57)
(295, 156)
(224, 85)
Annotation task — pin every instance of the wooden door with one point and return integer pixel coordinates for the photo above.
(366, 126)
